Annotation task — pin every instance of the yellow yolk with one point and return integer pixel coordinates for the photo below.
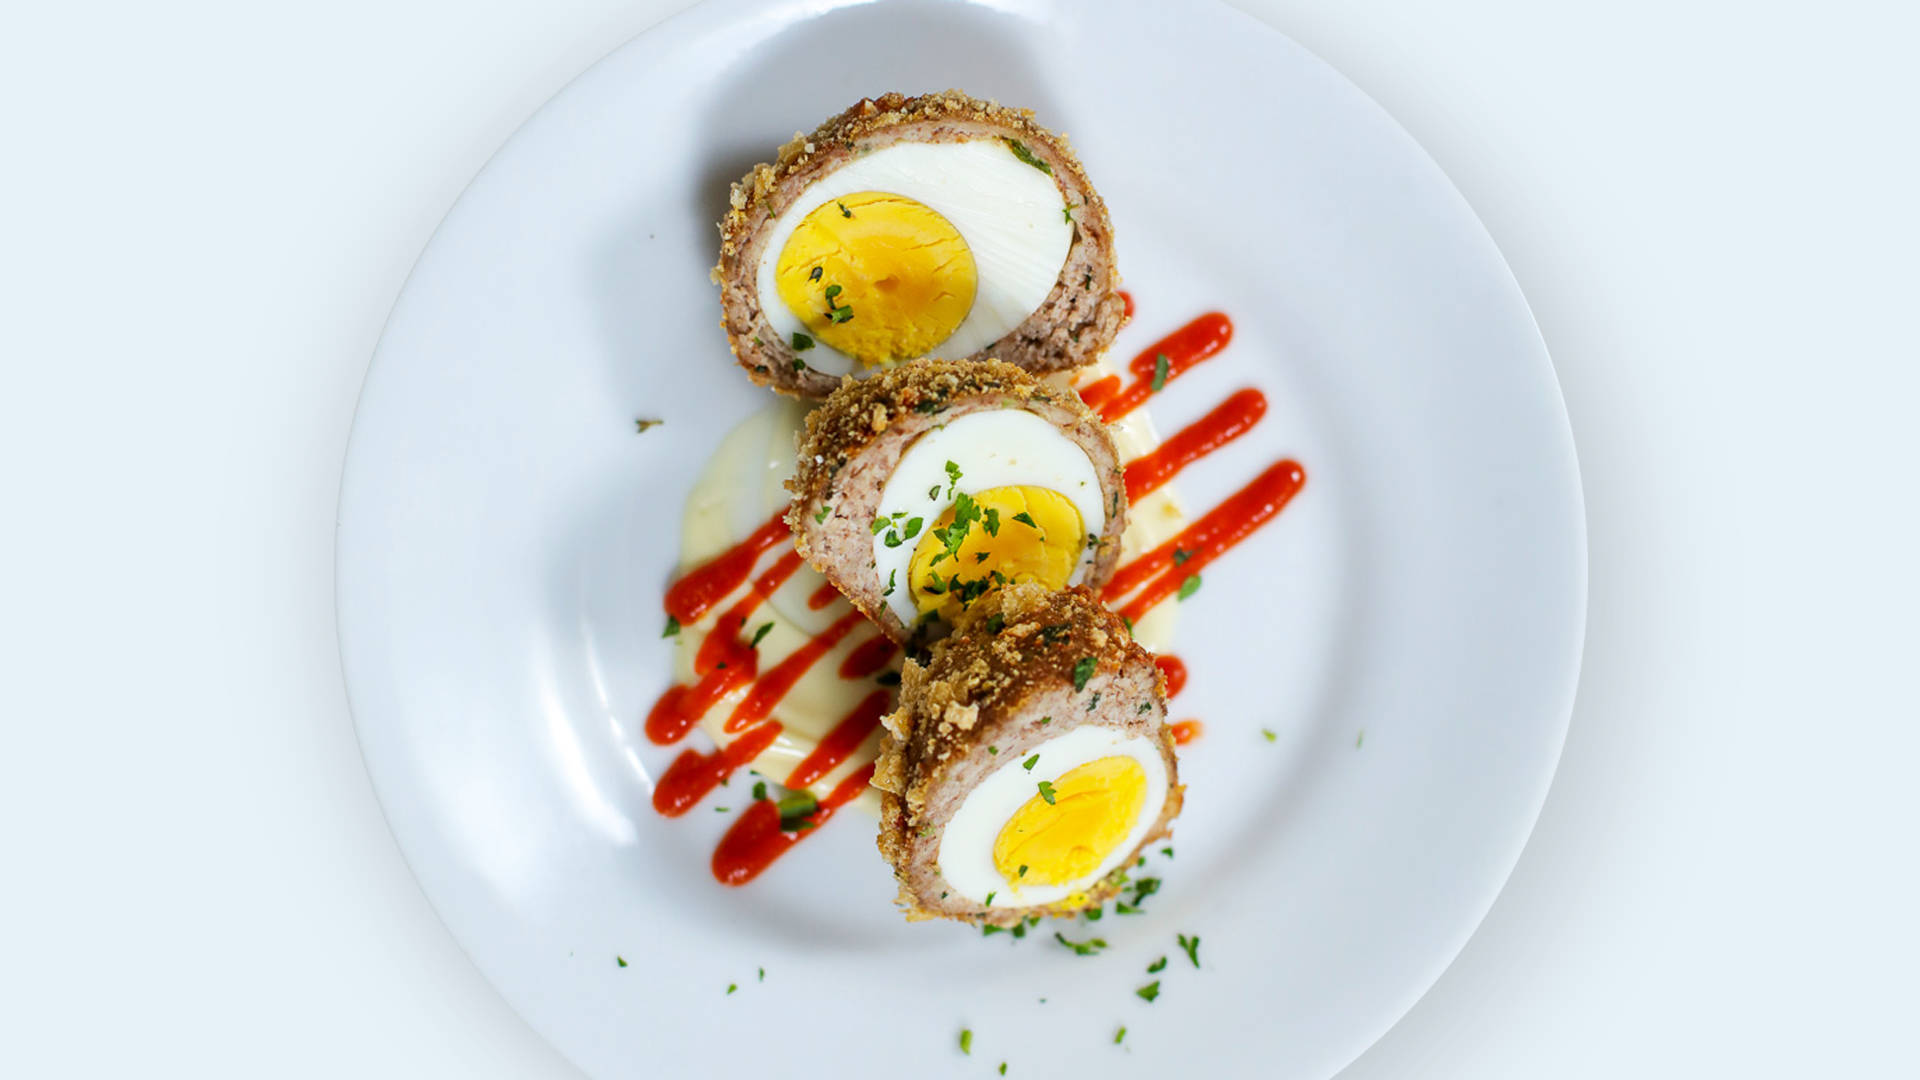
(1093, 810)
(1041, 547)
(879, 277)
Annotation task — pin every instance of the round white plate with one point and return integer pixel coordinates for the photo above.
(1409, 629)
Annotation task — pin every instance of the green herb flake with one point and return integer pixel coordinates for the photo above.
(1095, 914)
(1023, 871)
(995, 622)
(1046, 792)
(1089, 947)
(1149, 991)
(731, 987)
(1268, 732)
(933, 492)
(1029, 763)
(891, 575)
(988, 930)
(763, 974)
(820, 515)
(801, 342)
(1157, 966)
(1120, 1036)
(1121, 907)
(1082, 671)
(814, 274)
(643, 426)
(992, 522)
(1020, 151)
(1066, 212)
(966, 1040)
(722, 809)
(759, 791)
(1181, 555)
(1162, 367)
(1003, 1068)
(844, 212)
(833, 291)
(1192, 947)
(1167, 851)
(1026, 519)
(765, 629)
(1189, 587)
(795, 808)
(988, 902)
(673, 628)
(621, 960)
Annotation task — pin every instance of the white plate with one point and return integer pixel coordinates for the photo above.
(505, 536)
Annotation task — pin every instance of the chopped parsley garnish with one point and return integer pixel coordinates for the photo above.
(763, 974)
(1157, 966)
(930, 406)
(995, 621)
(1093, 701)
(1192, 947)
(1149, 991)
(673, 627)
(988, 902)
(891, 575)
(1023, 870)
(1161, 367)
(1120, 1035)
(722, 809)
(844, 212)
(814, 274)
(1181, 555)
(1089, 947)
(795, 808)
(981, 556)
(1046, 792)
(1145, 708)
(799, 365)
(765, 629)
(993, 750)
(1045, 720)
(759, 791)
(1189, 587)
(1054, 633)
(1095, 914)
(1268, 732)
(992, 522)
(1144, 887)
(966, 1040)
(820, 515)
(621, 960)
(833, 291)
(1067, 212)
(988, 930)
(1121, 907)
(933, 492)
(731, 987)
(1003, 1068)
(1026, 519)
(1020, 151)
(641, 426)
(801, 342)
(1029, 763)
(1167, 851)
(1082, 671)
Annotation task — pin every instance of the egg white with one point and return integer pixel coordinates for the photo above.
(995, 448)
(966, 847)
(1008, 212)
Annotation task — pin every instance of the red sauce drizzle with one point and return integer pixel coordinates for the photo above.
(1126, 305)
(868, 657)
(724, 662)
(1100, 391)
(693, 774)
(1175, 670)
(822, 596)
(1206, 539)
(842, 741)
(1184, 349)
(755, 840)
(1227, 422)
(692, 596)
(1185, 731)
(768, 689)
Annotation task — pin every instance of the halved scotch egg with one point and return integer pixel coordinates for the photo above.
(905, 227)
(1028, 764)
(926, 487)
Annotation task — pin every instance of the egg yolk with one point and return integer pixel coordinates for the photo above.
(1093, 809)
(879, 277)
(1023, 534)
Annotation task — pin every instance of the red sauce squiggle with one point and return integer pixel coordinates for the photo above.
(1185, 731)
(842, 741)
(1184, 349)
(822, 596)
(768, 689)
(1227, 422)
(1205, 540)
(755, 840)
(724, 663)
(868, 657)
(1126, 305)
(1100, 391)
(695, 594)
(1175, 671)
(693, 774)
